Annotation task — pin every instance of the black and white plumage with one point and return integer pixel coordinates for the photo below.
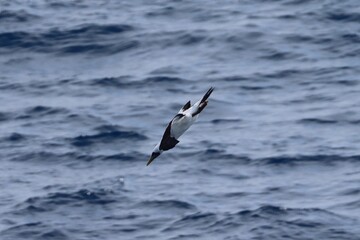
(179, 124)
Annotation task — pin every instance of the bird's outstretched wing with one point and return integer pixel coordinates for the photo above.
(167, 141)
(185, 107)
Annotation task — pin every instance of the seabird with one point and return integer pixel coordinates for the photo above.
(179, 124)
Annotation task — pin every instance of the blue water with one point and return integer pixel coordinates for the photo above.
(88, 87)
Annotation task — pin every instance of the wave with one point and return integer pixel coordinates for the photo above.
(59, 199)
(16, 16)
(32, 229)
(127, 82)
(275, 55)
(322, 159)
(41, 111)
(288, 73)
(168, 204)
(50, 157)
(15, 137)
(117, 82)
(89, 38)
(223, 121)
(68, 157)
(317, 121)
(257, 217)
(269, 218)
(103, 49)
(107, 133)
(326, 121)
(192, 221)
(4, 116)
(163, 79)
(212, 154)
(342, 16)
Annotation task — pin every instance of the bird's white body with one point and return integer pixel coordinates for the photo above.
(179, 125)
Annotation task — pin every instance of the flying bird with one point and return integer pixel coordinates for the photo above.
(179, 124)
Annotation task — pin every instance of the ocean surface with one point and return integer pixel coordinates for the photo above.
(88, 87)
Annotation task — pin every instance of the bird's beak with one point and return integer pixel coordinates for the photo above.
(152, 157)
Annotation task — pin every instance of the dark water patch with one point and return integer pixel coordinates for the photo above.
(34, 230)
(85, 48)
(88, 30)
(33, 209)
(352, 204)
(212, 154)
(310, 99)
(4, 116)
(66, 4)
(297, 2)
(75, 199)
(344, 82)
(289, 73)
(266, 219)
(193, 221)
(351, 37)
(275, 55)
(317, 121)
(190, 39)
(350, 192)
(107, 134)
(324, 40)
(181, 39)
(73, 157)
(187, 236)
(117, 82)
(287, 17)
(352, 53)
(162, 12)
(41, 111)
(54, 234)
(102, 49)
(223, 121)
(168, 204)
(15, 137)
(260, 88)
(10, 86)
(18, 40)
(25, 231)
(45, 156)
(124, 157)
(335, 121)
(267, 210)
(90, 38)
(299, 38)
(211, 151)
(305, 224)
(163, 79)
(342, 16)
(321, 159)
(16, 16)
(235, 194)
(233, 79)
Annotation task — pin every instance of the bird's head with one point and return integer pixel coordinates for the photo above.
(156, 152)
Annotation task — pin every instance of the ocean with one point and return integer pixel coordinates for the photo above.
(88, 87)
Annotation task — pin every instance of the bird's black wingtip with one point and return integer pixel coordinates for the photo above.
(207, 94)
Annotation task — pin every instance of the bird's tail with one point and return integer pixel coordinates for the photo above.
(207, 95)
(200, 105)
